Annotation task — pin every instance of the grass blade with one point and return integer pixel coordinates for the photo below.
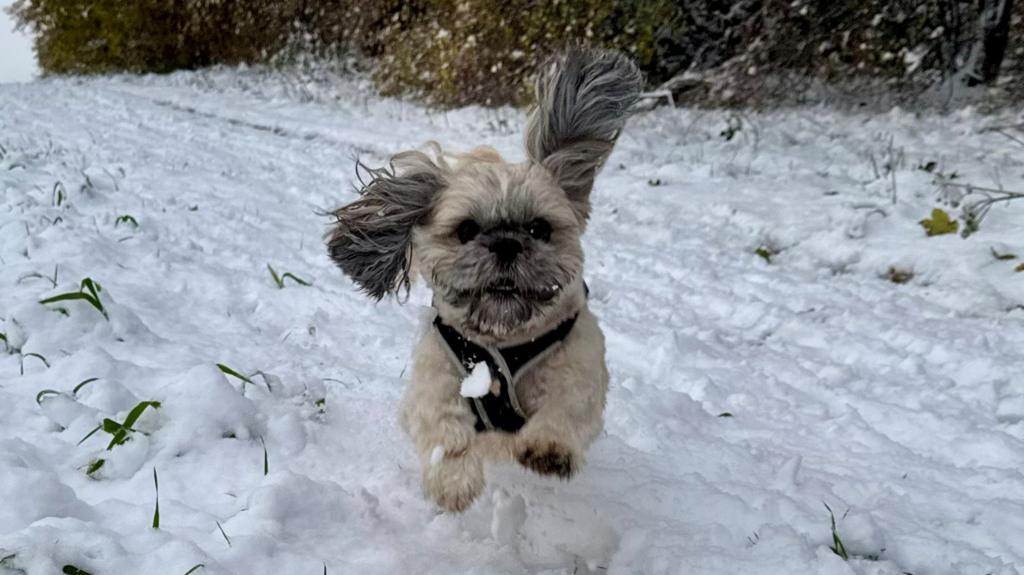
(136, 412)
(293, 277)
(45, 393)
(120, 430)
(93, 287)
(228, 371)
(88, 291)
(266, 461)
(126, 219)
(95, 466)
(226, 538)
(83, 384)
(277, 279)
(59, 193)
(111, 426)
(156, 511)
(39, 357)
(837, 543)
(72, 570)
(90, 434)
(21, 361)
(194, 569)
(66, 297)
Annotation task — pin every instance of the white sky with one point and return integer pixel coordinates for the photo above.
(17, 61)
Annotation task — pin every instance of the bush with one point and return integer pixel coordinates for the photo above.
(749, 51)
(88, 36)
(450, 52)
(457, 52)
(483, 51)
(101, 36)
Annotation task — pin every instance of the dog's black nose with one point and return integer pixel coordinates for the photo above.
(506, 249)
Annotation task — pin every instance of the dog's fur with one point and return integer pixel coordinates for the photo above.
(451, 219)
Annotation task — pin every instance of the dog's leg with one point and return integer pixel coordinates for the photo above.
(547, 451)
(440, 424)
(549, 447)
(442, 432)
(455, 482)
(496, 446)
(571, 412)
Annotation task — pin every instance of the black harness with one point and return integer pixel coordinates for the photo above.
(499, 409)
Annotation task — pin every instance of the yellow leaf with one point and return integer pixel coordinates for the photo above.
(939, 224)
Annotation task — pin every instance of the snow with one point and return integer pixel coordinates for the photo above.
(478, 382)
(901, 406)
(436, 455)
(509, 516)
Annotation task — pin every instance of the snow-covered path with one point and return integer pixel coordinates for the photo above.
(746, 394)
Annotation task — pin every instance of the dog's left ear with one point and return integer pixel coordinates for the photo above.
(583, 101)
(372, 239)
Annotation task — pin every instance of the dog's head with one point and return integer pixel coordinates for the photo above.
(499, 243)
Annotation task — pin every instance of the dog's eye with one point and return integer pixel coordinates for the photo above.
(467, 230)
(539, 229)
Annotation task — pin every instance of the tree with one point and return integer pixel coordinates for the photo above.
(989, 48)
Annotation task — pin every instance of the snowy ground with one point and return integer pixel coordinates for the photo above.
(901, 406)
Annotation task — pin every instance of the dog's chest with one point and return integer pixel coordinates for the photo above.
(530, 389)
(516, 374)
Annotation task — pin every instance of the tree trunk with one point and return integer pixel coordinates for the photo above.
(993, 35)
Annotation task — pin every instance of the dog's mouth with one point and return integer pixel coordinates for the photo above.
(510, 290)
(503, 288)
(500, 304)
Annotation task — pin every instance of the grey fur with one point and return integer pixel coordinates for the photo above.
(583, 102)
(372, 239)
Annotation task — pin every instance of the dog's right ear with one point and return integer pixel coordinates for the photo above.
(372, 239)
(583, 101)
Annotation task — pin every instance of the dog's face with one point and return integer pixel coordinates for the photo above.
(499, 243)
(500, 247)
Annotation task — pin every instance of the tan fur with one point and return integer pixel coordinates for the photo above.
(499, 187)
(564, 397)
(499, 245)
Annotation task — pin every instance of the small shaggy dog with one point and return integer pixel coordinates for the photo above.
(499, 245)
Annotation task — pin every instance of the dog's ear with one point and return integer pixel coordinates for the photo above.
(583, 101)
(372, 238)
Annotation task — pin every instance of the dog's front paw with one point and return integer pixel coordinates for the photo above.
(454, 436)
(549, 457)
(454, 482)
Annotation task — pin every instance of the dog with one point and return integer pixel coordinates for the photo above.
(499, 245)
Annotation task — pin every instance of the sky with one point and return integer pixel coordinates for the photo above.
(17, 61)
